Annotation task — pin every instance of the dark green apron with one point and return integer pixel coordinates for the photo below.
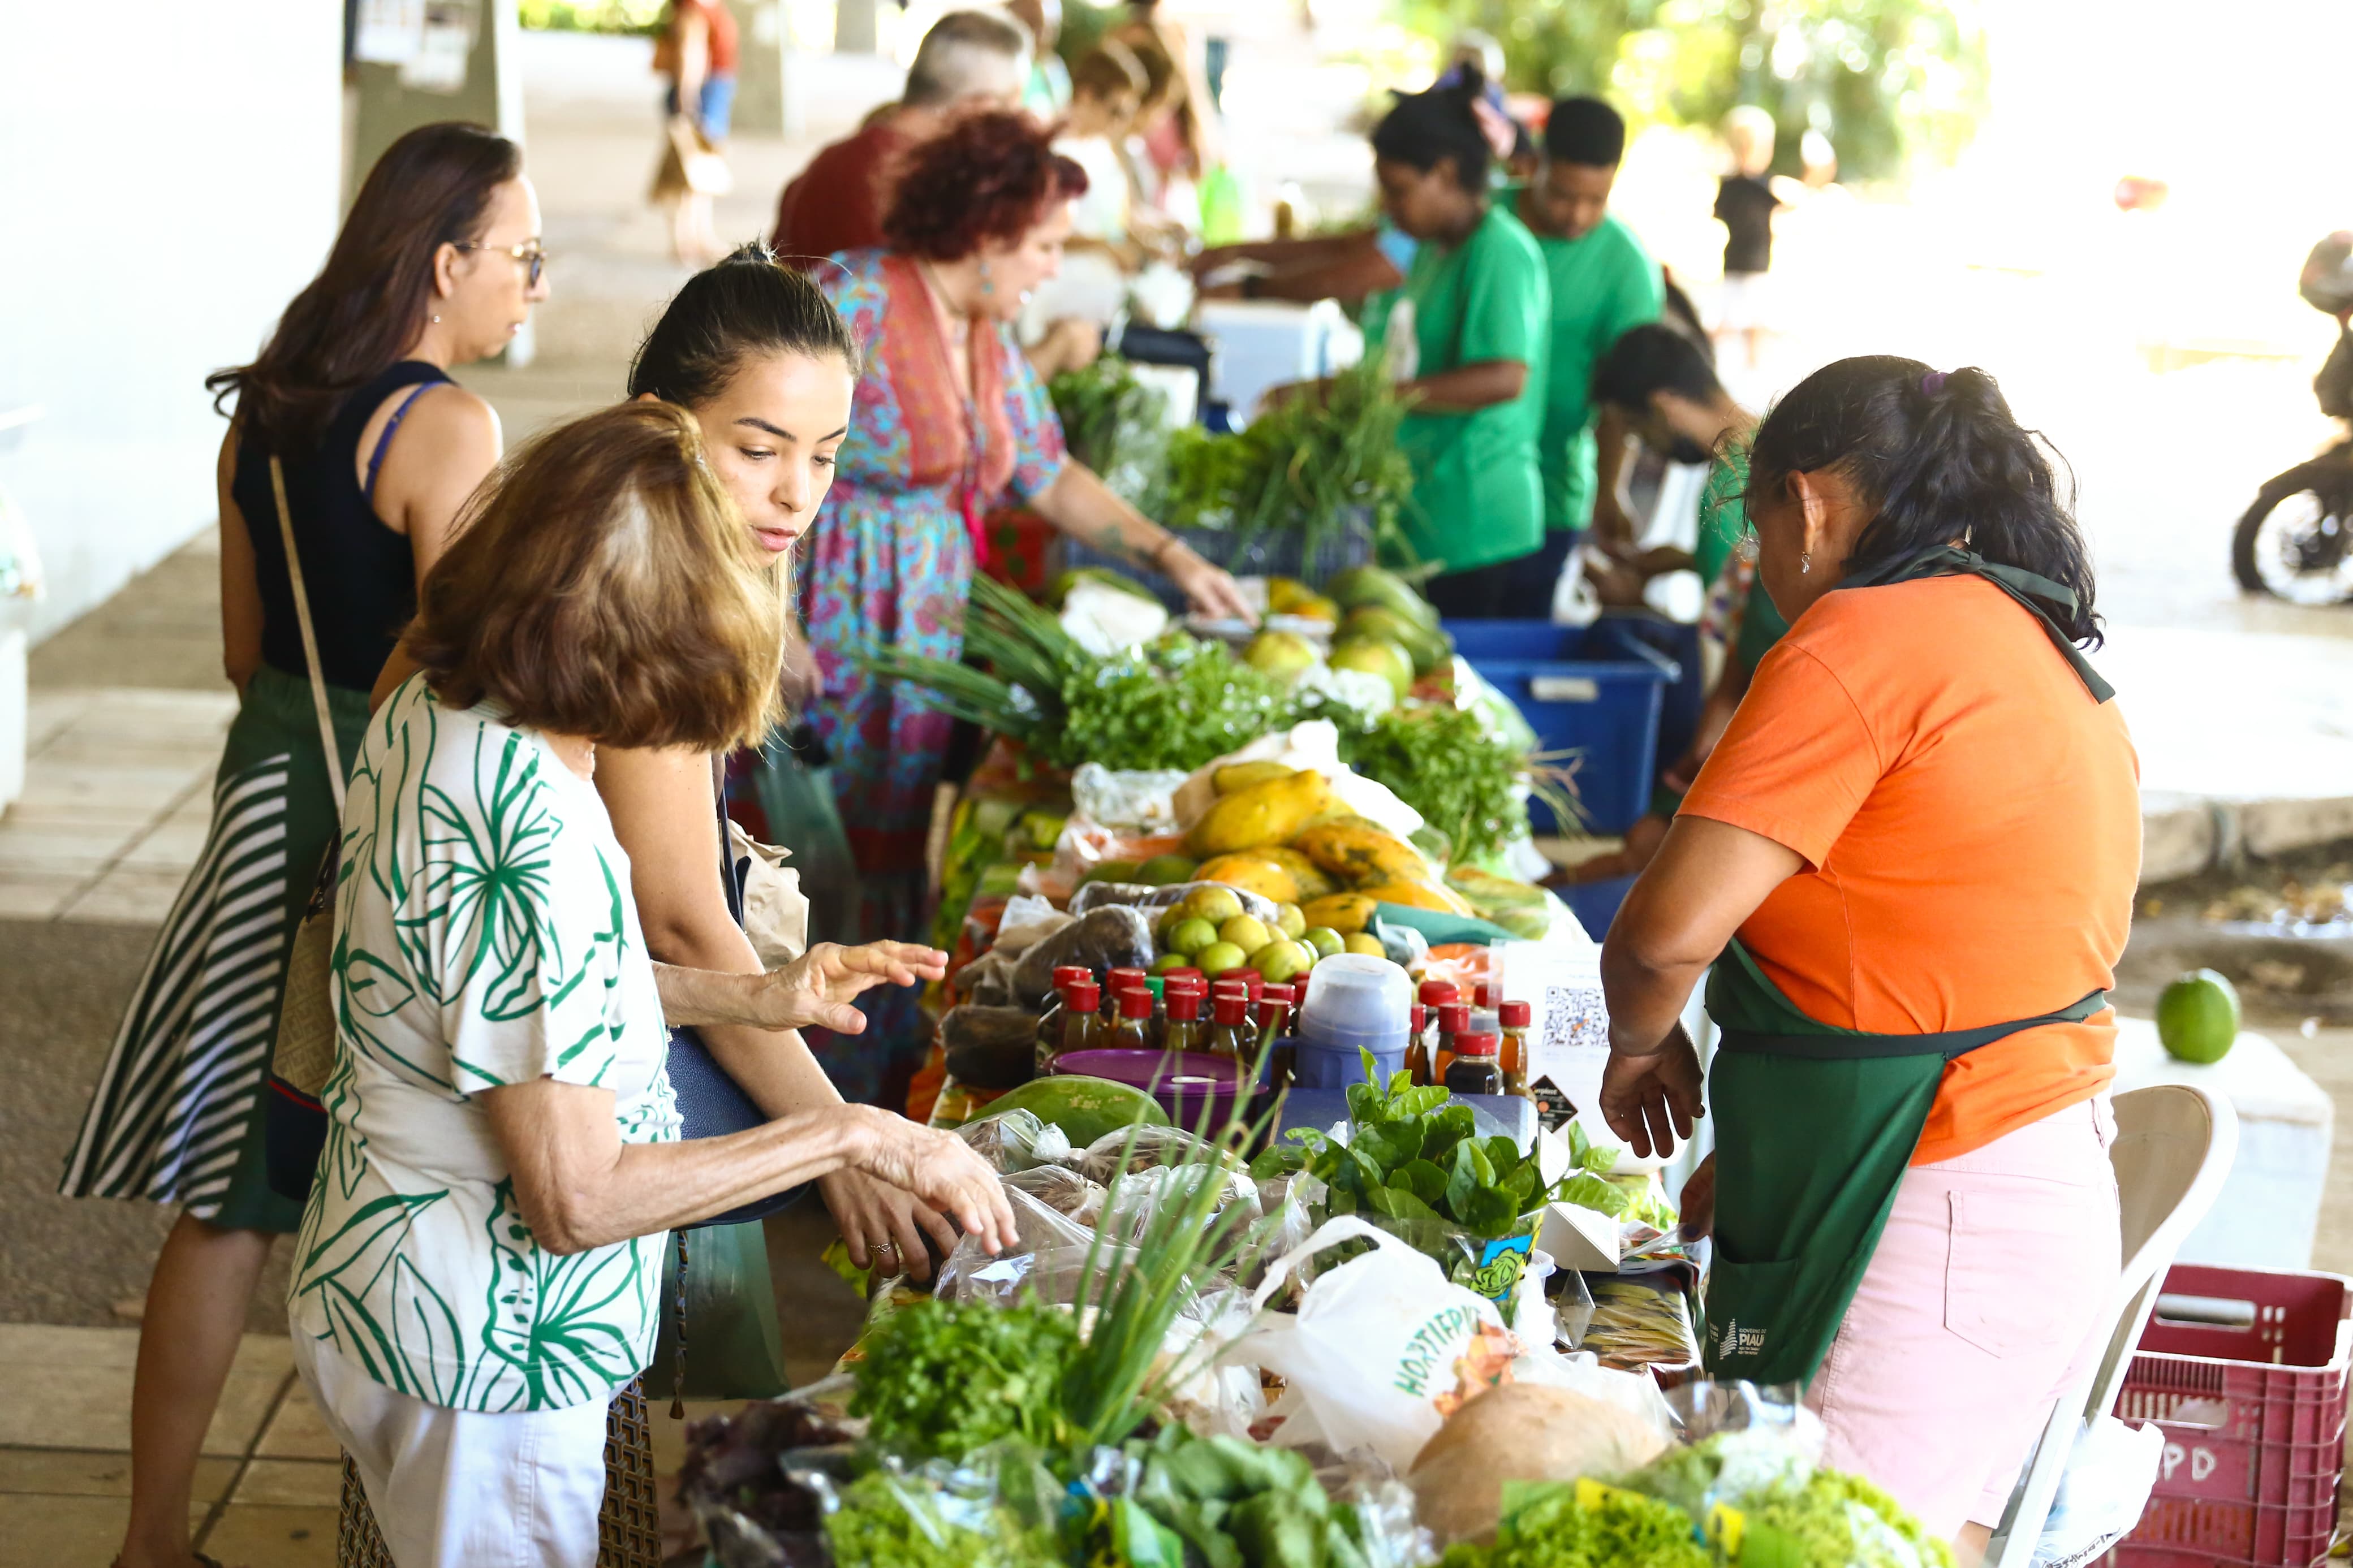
(1815, 1124)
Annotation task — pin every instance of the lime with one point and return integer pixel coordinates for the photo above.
(1289, 921)
(1215, 905)
(1279, 960)
(1324, 940)
(2198, 1017)
(1168, 961)
(1219, 957)
(1245, 932)
(1191, 935)
(1365, 942)
(1110, 871)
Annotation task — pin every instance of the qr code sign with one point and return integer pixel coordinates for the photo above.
(1574, 1016)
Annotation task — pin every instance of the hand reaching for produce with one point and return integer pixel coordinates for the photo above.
(939, 1168)
(1212, 589)
(885, 1226)
(1651, 1101)
(817, 989)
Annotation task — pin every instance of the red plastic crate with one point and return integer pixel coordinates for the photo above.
(2253, 1421)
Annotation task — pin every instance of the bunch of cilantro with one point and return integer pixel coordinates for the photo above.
(943, 1379)
(1543, 1528)
(1448, 764)
(1179, 704)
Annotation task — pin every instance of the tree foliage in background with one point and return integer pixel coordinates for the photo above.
(1889, 82)
(594, 16)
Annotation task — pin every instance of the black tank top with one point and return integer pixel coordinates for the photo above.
(361, 576)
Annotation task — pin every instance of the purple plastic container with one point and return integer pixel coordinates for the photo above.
(1184, 1083)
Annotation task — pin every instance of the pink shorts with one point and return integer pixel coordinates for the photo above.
(1986, 1298)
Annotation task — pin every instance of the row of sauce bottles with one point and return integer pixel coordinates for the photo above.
(1479, 1047)
(1180, 1010)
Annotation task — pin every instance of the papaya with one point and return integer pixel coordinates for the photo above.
(1235, 776)
(1283, 594)
(1312, 881)
(1488, 892)
(1416, 896)
(1085, 1109)
(1359, 586)
(1253, 873)
(1360, 855)
(1268, 813)
(1346, 913)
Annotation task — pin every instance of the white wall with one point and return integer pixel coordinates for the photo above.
(169, 174)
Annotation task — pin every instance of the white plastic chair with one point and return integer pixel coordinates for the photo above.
(2173, 1150)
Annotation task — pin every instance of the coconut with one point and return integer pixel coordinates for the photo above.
(1520, 1432)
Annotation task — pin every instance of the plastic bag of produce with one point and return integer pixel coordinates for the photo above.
(2110, 1472)
(1037, 1229)
(1113, 937)
(1382, 1348)
(1136, 1198)
(1522, 1432)
(1150, 1148)
(996, 1509)
(1151, 900)
(1026, 918)
(1313, 745)
(1053, 1276)
(752, 1514)
(1063, 1190)
(986, 981)
(1016, 1141)
(1132, 799)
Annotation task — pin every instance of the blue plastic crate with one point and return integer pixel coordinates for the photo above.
(1594, 691)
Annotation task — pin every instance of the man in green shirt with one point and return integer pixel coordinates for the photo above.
(1603, 283)
(1467, 337)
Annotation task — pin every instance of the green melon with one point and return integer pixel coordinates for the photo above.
(2198, 1017)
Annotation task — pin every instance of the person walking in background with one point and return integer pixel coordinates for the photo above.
(951, 418)
(1468, 339)
(1047, 93)
(697, 52)
(1603, 284)
(979, 58)
(1107, 93)
(439, 264)
(1745, 201)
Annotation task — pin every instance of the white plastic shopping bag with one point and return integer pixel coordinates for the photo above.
(2110, 1472)
(1382, 1350)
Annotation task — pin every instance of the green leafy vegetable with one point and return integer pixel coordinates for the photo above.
(1452, 764)
(1238, 1504)
(1116, 425)
(942, 1380)
(1413, 1155)
(1543, 1528)
(888, 1521)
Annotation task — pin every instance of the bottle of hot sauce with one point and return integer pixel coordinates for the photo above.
(1453, 1018)
(1132, 1031)
(1184, 1031)
(1513, 1057)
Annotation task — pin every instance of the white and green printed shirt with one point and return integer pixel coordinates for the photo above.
(484, 935)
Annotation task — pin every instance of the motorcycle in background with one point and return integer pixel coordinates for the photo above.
(2297, 542)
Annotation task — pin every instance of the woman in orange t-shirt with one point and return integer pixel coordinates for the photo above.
(1911, 863)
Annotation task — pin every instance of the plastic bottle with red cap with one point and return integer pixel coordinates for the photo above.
(1132, 1031)
(1474, 1070)
(1513, 1059)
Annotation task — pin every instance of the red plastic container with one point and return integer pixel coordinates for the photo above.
(2253, 1420)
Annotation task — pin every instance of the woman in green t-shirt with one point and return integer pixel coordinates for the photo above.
(1467, 337)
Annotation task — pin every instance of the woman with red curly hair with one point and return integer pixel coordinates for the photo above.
(949, 420)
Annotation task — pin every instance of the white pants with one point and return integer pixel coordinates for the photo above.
(457, 1488)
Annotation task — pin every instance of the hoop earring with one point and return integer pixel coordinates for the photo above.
(1805, 563)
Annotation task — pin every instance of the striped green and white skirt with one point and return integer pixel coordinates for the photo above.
(176, 1116)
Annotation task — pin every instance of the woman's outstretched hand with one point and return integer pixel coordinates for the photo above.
(886, 1226)
(939, 1168)
(816, 990)
(1211, 589)
(1651, 1101)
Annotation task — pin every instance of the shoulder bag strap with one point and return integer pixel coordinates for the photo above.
(309, 638)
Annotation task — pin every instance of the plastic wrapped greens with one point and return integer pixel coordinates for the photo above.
(1063, 1190)
(1149, 1148)
(1016, 1141)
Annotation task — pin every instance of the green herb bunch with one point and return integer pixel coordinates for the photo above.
(942, 1380)
(1414, 1155)
(1449, 764)
(1115, 425)
(1228, 1503)
(1544, 1527)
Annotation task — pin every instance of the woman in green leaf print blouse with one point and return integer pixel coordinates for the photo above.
(479, 1262)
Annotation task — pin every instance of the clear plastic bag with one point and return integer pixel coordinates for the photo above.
(1111, 937)
(1135, 1200)
(1016, 1141)
(1132, 799)
(1149, 1148)
(1053, 1276)
(1061, 1189)
(1095, 895)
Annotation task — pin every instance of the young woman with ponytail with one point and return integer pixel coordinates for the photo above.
(1910, 862)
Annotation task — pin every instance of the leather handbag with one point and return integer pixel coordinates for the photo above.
(295, 1123)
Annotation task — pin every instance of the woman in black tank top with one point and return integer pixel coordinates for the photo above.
(437, 264)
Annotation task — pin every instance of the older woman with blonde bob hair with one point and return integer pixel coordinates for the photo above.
(479, 1263)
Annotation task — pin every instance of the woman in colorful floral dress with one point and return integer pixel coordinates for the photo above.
(949, 420)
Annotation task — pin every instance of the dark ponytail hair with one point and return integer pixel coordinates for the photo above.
(1941, 459)
(354, 320)
(1425, 127)
(748, 305)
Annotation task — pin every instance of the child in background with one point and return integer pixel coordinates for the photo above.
(1744, 205)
